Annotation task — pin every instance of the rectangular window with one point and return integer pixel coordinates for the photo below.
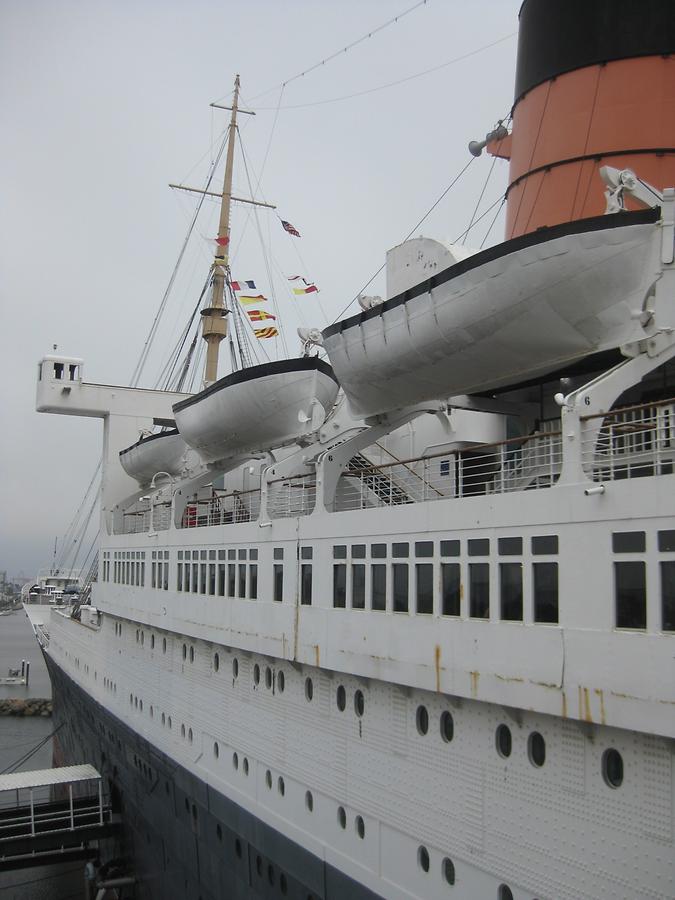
(154, 574)
(424, 584)
(212, 578)
(666, 541)
(231, 579)
(400, 551)
(340, 551)
(511, 591)
(378, 587)
(400, 584)
(202, 578)
(195, 577)
(305, 552)
(231, 554)
(242, 581)
(628, 541)
(339, 585)
(668, 595)
(510, 546)
(186, 577)
(143, 574)
(179, 576)
(631, 594)
(221, 579)
(479, 547)
(479, 590)
(545, 545)
(358, 585)
(358, 551)
(241, 554)
(451, 588)
(212, 554)
(545, 585)
(278, 552)
(253, 581)
(278, 582)
(424, 548)
(306, 583)
(378, 551)
(222, 554)
(253, 554)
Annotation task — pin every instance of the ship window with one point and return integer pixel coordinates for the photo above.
(268, 779)
(631, 594)
(281, 681)
(479, 590)
(424, 583)
(190, 739)
(510, 546)
(378, 551)
(341, 698)
(231, 554)
(536, 749)
(281, 787)
(58, 371)
(447, 726)
(360, 827)
(163, 645)
(359, 703)
(340, 551)
(184, 651)
(186, 578)
(306, 584)
(245, 765)
(192, 654)
(358, 551)
(242, 580)
(666, 541)
(358, 586)
(448, 871)
(340, 586)
(511, 591)
(278, 552)
(202, 578)
(628, 542)
(268, 677)
(256, 674)
(612, 768)
(309, 689)
(154, 574)
(400, 586)
(306, 552)
(221, 579)
(309, 801)
(545, 583)
(424, 548)
(278, 582)
(400, 551)
(504, 892)
(216, 662)
(222, 554)
(202, 554)
(235, 760)
(235, 668)
(342, 817)
(253, 554)
(422, 720)
(212, 578)
(451, 587)
(182, 734)
(195, 577)
(423, 858)
(253, 581)
(503, 741)
(241, 554)
(72, 370)
(449, 548)
(212, 554)
(378, 586)
(545, 545)
(479, 547)
(231, 579)
(668, 595)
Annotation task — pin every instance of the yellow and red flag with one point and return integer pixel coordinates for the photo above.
(249, 300)
(266, 332)
(259, 315)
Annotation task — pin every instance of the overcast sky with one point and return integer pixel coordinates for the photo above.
(104, 103)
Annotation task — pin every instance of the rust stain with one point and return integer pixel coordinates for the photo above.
(585, 704)
(601, 695)
(507, 678)
(546, 684)
(474, 683)
(564, 705)
(437, 665)
(316, 655)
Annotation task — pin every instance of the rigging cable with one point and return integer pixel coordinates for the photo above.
(487, 233)
(22, 759)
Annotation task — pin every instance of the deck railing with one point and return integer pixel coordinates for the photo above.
(222, 509)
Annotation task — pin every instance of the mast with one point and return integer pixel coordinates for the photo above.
(214, 323)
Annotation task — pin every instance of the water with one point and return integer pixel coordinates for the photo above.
(18, 736)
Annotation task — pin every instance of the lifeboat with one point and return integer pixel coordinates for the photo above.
(257, 409)
(513, 312)
(162, 452)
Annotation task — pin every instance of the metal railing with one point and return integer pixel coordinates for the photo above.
(222, 509)
(289, 497)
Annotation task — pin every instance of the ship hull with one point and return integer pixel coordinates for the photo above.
(185, 839)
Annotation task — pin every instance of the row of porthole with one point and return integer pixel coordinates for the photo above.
(447, 866)
(446, 723)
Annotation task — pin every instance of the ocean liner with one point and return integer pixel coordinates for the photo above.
(401, 622)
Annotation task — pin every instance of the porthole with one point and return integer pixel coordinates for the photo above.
(219, 832)
(612, 768)
(169, 722)
(192, 654)
(504, 892)
(152, 713)
(163, 645)
(360, 827)
(163, 719)
(140, 705)
(422, 720)
(503, 741)
(184, 651)
(235, 760)
(245, 766)
(536, 749)
(283, 884)
(152, 642)
(216, 749)
(281, 682)
(268, 778)
(281, 787)
(270, 874)
(342, 817)
(235, 668)
(423, 858)
(448, 871)
(182, 731)
(259, 865)
(216, 662)
(142, 638)
(237, 848)
(447, 726)
(268, 678)
(309, 801)
(309, 689)
(359, 703)
(256, 674)
(341, 698)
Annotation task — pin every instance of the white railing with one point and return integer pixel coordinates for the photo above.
(222, 509)
(289, 497)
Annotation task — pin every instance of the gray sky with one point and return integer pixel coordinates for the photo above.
(104, 103)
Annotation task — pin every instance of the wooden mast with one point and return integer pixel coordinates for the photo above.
(214, 323)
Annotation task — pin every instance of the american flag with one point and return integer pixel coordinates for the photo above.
(290, 228)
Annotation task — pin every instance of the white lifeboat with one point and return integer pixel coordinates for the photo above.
(161, 452)
(514, 312)
(257, 409)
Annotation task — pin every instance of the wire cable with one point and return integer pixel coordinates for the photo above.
(19, 762)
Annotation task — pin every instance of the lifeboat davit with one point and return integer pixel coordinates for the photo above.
(502, 316)
(257, 409)
(162, 452)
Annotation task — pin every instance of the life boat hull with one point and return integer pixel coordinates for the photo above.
(257, 409)
(505, 315)
(163, 452)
